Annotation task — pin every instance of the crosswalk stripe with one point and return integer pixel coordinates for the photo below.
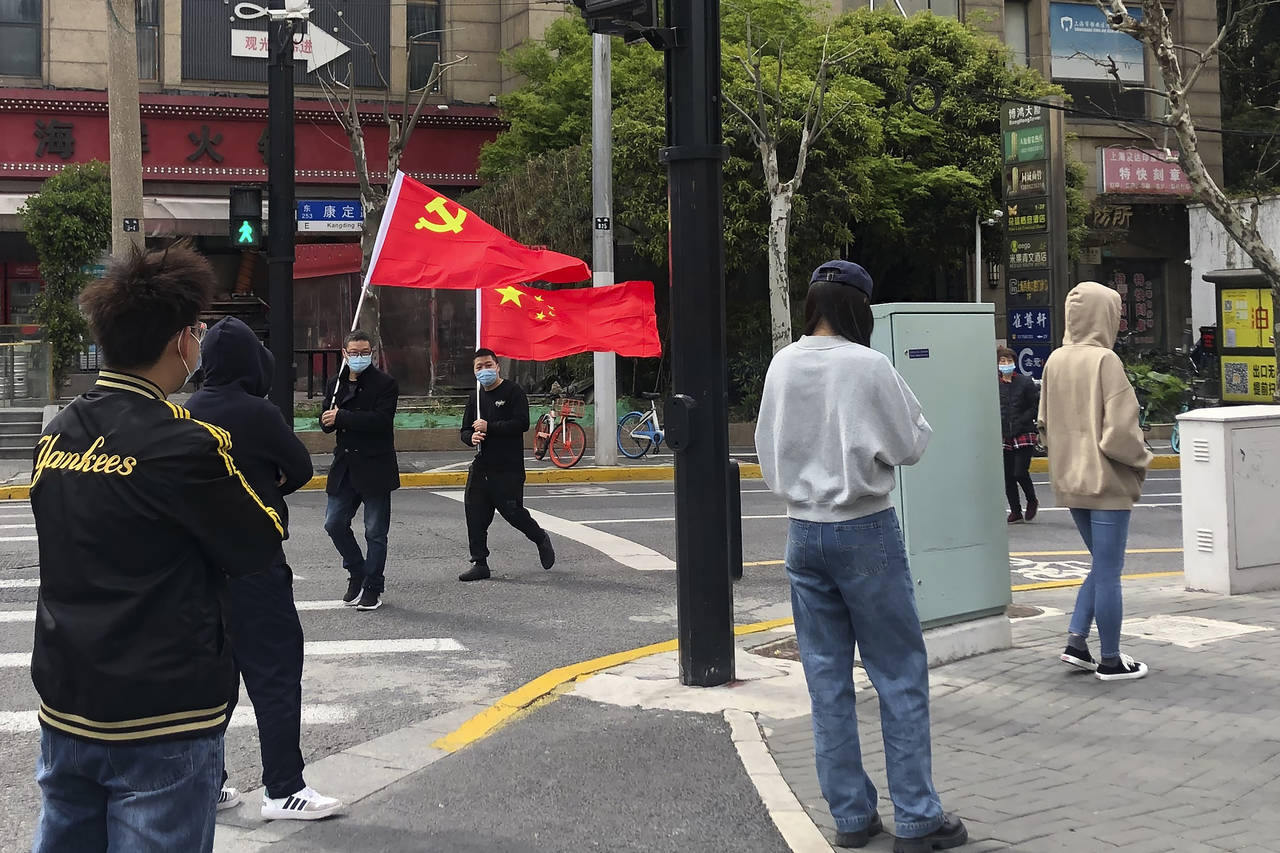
(19, 583)
(303, 607)
(319, 648)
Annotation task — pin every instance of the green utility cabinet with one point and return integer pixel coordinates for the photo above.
(951, 503)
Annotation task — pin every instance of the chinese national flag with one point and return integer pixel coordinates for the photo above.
(427, 240)
(536, 324)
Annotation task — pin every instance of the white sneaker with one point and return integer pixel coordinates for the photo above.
(228, 798)
(304, 805)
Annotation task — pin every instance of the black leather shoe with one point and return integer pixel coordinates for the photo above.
(478, 572)
(859, 838)
(546, 553)
(951, 834)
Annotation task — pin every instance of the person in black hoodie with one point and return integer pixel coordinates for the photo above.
(266, 633)
(494, 423)
(1019, 403)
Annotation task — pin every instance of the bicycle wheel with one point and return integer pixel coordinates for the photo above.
(568, 443)
(633, 444)
(541, 436)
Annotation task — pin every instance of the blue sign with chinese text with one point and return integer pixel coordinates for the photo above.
(330, 215)
(1031, 359)
(1030, 325)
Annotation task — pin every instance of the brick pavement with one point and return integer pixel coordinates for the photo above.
(1037, 757)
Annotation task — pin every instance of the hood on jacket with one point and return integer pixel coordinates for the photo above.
(231, 354)
(1093, 315)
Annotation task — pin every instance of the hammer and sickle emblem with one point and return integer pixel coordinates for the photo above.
(448, 221)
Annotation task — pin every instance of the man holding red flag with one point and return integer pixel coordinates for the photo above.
(494, 422)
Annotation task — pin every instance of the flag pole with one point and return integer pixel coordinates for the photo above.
(388, 213)
(478, 446)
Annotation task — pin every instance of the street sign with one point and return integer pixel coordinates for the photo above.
(1027, 215)
(129, 225)
(318, 48)
(1031, 359)
(1028, 288)
(1030, 325)
(330, 215)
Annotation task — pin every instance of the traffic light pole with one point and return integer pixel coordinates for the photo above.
(697, 415)
(280, 203)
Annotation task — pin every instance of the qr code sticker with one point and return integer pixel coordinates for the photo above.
(1235, 377)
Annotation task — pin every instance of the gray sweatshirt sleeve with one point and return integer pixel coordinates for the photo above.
(766, 450)
(906, 432)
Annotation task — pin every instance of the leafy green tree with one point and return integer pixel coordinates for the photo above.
(69, 224)
(1251, 94)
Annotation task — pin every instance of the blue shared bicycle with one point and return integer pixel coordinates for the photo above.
(640, 432)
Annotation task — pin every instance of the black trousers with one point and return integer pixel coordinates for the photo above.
(1017, 472)
(267, 643)
(488, 491)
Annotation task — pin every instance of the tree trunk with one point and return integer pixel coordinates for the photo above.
(370, 318)
(779, 283)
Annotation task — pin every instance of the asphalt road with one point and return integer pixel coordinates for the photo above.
(504, 631)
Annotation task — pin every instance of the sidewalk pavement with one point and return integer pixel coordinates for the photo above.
(1034, 756)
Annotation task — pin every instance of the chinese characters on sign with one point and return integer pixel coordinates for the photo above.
(1022, 146)
(1113, 216)
(1248, 378)
(1027, 216)
(1024, 115)
(1140, 172)
(55, 137)
(1029, 289)
(335, 215)
(1026, 180)
(1028, 253)
(1029, 325)
(254, 44)
(205, 144)
(1246, 319)
(1138, 295)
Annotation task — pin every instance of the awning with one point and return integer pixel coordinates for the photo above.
(312, 260)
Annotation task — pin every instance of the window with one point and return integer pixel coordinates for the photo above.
(423, 31)
(1015, 30)
(20, 22)
(148, 24)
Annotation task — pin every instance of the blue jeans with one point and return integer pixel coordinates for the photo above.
(850, 583)
(1105, 533)
(338, 512)
(144, 798)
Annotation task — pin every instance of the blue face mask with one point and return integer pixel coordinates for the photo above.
(1007, 369)
(487, 377)
(359, 363)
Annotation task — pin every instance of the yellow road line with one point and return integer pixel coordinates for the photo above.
(507, 707)
(1027, 587)
(1086, 553)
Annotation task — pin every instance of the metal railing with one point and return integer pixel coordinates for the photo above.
(25, 375)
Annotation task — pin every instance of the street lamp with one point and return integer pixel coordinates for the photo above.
(992, 218)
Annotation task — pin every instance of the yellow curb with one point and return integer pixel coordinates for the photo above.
(1163, 462)
(1027, 587)
(1085, 553)
(549, 476)
(507, 707)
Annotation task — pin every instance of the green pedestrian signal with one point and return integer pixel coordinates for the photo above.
(248, 234)
(245, 222)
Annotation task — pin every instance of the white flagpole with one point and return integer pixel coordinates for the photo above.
(393, 196)
(478, 446)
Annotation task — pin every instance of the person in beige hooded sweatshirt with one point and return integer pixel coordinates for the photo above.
(1098, 459)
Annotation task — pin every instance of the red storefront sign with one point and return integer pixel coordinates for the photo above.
(224, 139)
(1140, 172)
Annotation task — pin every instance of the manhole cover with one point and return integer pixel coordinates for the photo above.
(1022, 611)
(1187, 631)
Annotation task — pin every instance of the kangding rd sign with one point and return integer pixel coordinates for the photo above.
(317, 47)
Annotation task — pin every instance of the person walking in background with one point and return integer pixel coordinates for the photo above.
(494, 423)
(835, 418)
(1019, 402)
(361, 408)
(265, 630)
(140, 510)
(1098, 458)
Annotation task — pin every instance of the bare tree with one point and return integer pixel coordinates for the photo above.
(1180, 69)
(401, 120)
(765, 125)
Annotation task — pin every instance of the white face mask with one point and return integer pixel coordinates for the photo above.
(191, 371)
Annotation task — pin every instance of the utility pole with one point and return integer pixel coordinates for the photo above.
(697, 414)
(606, 363)
(280, 209)
(125, 126)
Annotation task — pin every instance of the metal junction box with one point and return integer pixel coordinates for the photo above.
(952, 502)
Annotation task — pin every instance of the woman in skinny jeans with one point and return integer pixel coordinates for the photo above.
(1098, 461)
(834, 420)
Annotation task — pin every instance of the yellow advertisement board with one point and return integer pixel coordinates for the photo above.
(1248, 378)
(1245, 318)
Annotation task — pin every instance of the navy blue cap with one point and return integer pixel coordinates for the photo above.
(844, 272)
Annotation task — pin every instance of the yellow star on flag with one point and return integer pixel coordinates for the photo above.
(540, 316)
(537, 299)
(510, 294)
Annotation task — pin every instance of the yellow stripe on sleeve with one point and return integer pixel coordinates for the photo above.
(224, 447)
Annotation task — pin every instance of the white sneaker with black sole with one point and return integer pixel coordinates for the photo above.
(228, 798)
(307, 804)
(1126, 670)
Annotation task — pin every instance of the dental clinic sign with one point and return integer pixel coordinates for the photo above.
(1136, 171)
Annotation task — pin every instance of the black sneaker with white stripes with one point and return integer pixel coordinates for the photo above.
(1124, 669)
(369, 600)
(307, 804)
(1079, 658)
(228, 798)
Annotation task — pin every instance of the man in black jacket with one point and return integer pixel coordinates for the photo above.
(495, 425)
(360, 405)
(266, 632)
(140, 510)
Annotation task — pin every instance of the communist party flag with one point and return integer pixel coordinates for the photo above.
(427, 240)
(537, 324)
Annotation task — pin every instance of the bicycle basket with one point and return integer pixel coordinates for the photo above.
(572, 408)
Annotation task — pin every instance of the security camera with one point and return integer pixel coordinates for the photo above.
(442, 107)
(997, 213)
